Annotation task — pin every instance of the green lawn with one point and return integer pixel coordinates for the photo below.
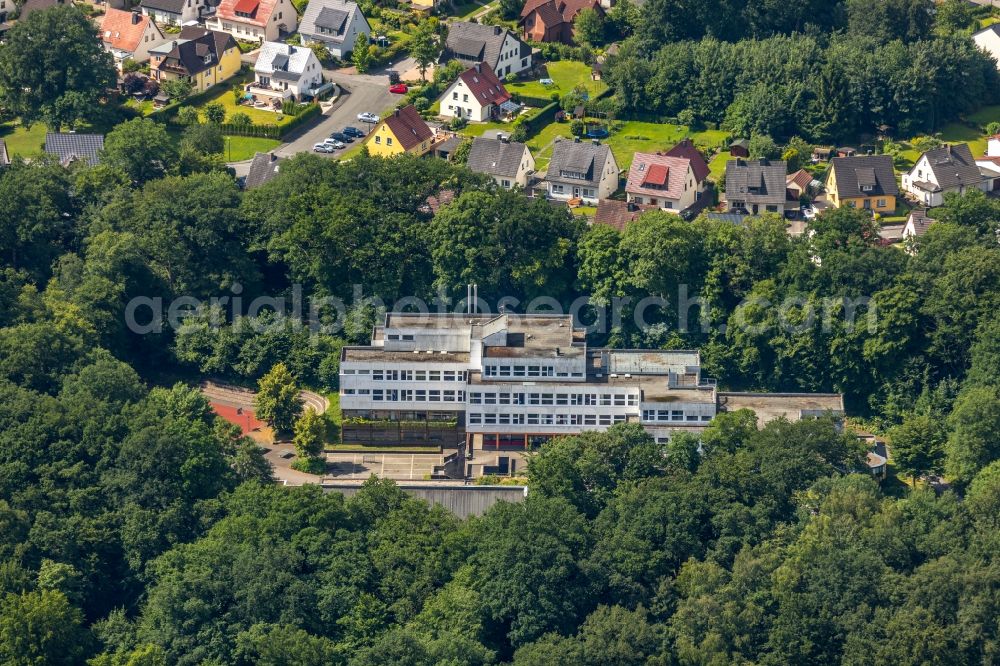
(239, 148)
(224, 95)
(464, 11)
(566, 75)
(21, 141)
(632, 138)
(717, 166)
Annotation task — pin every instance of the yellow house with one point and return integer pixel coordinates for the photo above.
(203, 57)
(867, 182)
(404, 131)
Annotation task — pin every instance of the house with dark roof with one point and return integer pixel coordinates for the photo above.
(800, 184)
(477, 94)
(263, 168)
(663, 181)
(255, 20)
(402, 131)
(618, 214)
(500, 48)
(864, 181)
(509, 163)
(943, 170)
(586, 171)
(552, 20)
(70, 148)
(686, 149)
(203, 57)
(335, 24)
(175, 12)
(755, 186)
(129, 35)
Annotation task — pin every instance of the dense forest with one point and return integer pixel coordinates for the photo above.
(137, 529)
(824, 71)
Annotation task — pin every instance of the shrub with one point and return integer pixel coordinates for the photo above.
(457, 123)
(240, 120)
(187, 115)
(577, 127)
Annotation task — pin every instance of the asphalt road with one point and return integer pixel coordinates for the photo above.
(360, 92)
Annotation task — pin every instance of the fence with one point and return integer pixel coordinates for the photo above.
(539, 119)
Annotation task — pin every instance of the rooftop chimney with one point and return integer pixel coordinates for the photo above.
(136, 17)
(496, 30)
(596, 142)
(576, 139)
(479, 68)
(396, 113)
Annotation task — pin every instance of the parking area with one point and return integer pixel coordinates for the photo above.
(360, 93)
(398, 466)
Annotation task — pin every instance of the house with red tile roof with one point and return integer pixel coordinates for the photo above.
(687, 150)
(402, 131)
(129, 35)
(618, 214)
(663, 181)
(255, 20)
(552, 20)
(477, 94)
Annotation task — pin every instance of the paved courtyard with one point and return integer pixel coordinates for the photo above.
(397, 466)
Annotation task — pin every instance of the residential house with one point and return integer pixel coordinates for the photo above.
(284, 71)
(509, 163)
(867, 182)
(518, 380)
(581, 170)
(255, 20)
(916, 225)
(943, 170)
(202, 57)
(500, 48)
(755, 186)
(552, 20)
(988, 40)
(666, 182)
(175, 12)
(799, 185)
(70, 147)
(402, 131)
(263, 168)
(739, 148)
(335, 24)
(618, 214)
(686, 149)
(129, 35)
(989, 164)
(477, 94)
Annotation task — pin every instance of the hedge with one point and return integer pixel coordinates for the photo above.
(527, 100)
(539, 119)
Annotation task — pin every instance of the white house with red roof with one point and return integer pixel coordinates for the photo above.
(255, 20)
(477, 94)
(129, 35)
(665, 181)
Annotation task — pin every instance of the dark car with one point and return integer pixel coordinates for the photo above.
(340, 136)
(353, 131)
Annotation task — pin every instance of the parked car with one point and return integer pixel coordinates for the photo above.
(354, 132)
(340, 136)
(398, 89)
(367, 117)
(337, 145)
(808, 212)
(323, 148)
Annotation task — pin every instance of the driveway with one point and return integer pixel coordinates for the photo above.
(359, 93)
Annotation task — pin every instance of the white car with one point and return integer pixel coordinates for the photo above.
(323, 148)
(367, 117)
(333, 143)
(808, 212)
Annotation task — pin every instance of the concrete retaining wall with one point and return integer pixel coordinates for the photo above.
(463, 501)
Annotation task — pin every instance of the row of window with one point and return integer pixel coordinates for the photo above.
(526, 371)
(649, 415)
(476, 418)
(409, 395)
(412, 375)
(503, 398)
(400, 336)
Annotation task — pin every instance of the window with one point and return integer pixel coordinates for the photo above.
(388, 141)
(505, 183)
(454, 96)
(378, 139)
(881, 203)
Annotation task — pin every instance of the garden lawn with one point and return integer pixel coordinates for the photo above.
(239, 148)
(566, 75)
(22, 141)
(717, 167)
(224, 95)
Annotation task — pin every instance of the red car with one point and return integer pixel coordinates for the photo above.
(398, 89)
